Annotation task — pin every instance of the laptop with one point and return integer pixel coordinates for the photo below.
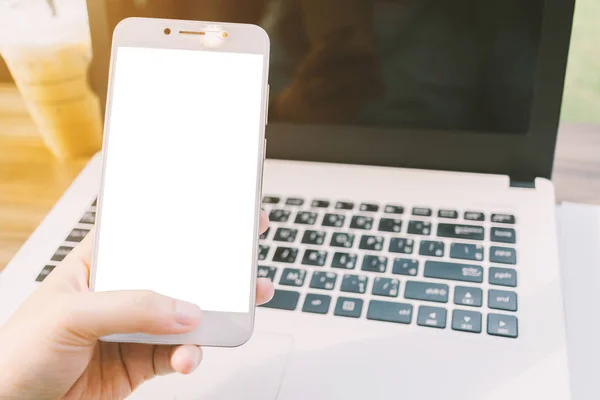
(413, 241)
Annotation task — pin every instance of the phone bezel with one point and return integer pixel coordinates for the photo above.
(219, 329)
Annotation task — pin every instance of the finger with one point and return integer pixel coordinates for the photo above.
(264, 290)
(264, 222)
(185, 359)
(74, 270)
(97, 314)
(161, 360)
(83, 251)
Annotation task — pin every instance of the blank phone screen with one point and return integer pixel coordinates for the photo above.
(178, 201)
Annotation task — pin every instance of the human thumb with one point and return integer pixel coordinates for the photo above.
(95, 314)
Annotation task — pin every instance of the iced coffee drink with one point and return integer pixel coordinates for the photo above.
(49, 63)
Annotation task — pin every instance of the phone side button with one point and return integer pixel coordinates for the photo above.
(265, 150)
(283, 300)
(267, 105)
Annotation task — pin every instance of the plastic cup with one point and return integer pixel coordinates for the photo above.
(48, 56)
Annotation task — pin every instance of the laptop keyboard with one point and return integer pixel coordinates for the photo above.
(440, 269)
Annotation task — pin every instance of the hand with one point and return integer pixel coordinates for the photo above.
(49, 348)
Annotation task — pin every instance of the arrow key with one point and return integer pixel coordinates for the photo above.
(468, 296)
(466, 321)
(503, 325)
(433, 317)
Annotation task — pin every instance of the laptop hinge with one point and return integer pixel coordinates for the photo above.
(522, 184)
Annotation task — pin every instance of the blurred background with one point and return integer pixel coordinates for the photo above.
(582, 91)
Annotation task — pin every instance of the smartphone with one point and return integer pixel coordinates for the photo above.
(184, 145)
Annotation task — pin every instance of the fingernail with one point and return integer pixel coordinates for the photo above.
(197, 359)
(187, 313)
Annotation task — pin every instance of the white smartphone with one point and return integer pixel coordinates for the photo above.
(184, 144)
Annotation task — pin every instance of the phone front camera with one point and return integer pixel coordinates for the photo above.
(167, 31)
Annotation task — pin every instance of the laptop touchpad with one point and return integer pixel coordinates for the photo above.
(252, 371)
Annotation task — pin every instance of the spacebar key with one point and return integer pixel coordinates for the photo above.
(283, 300)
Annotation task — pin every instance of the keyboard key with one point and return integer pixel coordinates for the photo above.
(368, 242)
(503, 235)
(265, 234)
(285, 255)
(470, 232)
(390, 225)
(323, 280)
(503, 255)
(267, 272)
(503, 277)
(348, 307)
(271, 200)
(503, 219)
(464, 251)
(344, 205)
(433, 317)
(502, 300)
(283, 300)
(400, 313)
(354, 283)
(263, 251)
(285, 235)
(474, 216)
(316, 258)
(361, 222)
(450, 214)
(306, 218)
(44, 273)
(466, 321)
(77, 235)
(343, 260)
(342, 239)
(279, 215)
(369, 207)
(468, 296)
(292, 277)
(316, 303)
(88, 218)
(405, 266)
(502, 325)
(426, 291)
(453, 271)
(61, 253)
(421, 211)
(320, 203)
(431, 248)
(374, 263)
(392, 209)
(401, 245)
(386, 287)
(335, 220)
(419, 228)
(294, 201)
(313, 237)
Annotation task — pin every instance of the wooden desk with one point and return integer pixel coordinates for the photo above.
(31, 181)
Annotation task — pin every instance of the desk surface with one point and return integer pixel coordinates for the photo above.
(31, 181)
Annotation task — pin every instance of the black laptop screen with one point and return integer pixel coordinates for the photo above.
(441, 65)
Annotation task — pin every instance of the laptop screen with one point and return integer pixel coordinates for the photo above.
(435, 65)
